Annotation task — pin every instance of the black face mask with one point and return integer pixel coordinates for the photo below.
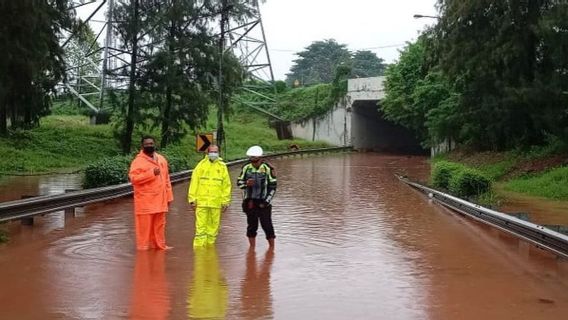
(149, 150)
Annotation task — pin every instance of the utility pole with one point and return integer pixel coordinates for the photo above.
(127, 137)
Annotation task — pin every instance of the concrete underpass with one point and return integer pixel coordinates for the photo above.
(357, 122)
(371, 132)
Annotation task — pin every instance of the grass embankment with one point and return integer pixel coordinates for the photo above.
(61, 143)
(304, 103)
(539, 172)
(246, 129)
(68, 143)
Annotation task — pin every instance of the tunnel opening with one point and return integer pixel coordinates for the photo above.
(372, 132)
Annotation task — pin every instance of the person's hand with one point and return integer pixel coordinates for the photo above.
(250, 182)
(156, 171)
(193, 205)
(224, 207)
(263, 205)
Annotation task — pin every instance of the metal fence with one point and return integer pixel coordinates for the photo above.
(28, 208)
(540, 236)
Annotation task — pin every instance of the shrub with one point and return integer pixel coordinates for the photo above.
(114, 170)
(469, 182)
(442, 173)
(106, 172)
(176, 161)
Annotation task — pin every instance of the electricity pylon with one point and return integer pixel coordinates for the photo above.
(246, 39)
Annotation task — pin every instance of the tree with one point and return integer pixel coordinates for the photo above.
(419, 97)
(182, 75)
(489, 75)
(317, 63)
(133, 21)
(33, 59)
(366, 64)
(510, 60)
(402, 78)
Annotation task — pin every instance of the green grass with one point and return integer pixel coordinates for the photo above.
(247, 129)
(489, 199)
(552, 184)
(67, 143)
(61, 142)
(496, 171)
(243, 130)
(306, 102)
(507, 168)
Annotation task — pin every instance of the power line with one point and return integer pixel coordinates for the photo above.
(368, 48)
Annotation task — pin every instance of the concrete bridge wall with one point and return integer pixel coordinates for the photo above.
(356, 121)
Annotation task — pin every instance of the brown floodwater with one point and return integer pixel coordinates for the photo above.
(539, 210)
(352, 243)
(16, 187)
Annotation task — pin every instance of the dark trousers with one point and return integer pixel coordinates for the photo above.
(254, 214)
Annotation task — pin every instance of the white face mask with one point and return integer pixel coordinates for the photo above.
(213, 156)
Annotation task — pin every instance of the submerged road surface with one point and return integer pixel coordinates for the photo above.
(352, 243)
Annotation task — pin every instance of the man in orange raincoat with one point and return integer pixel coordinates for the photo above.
(152, 194)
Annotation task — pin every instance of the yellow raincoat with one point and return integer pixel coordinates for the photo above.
(209, 190)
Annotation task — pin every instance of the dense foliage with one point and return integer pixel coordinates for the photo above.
(459, 179)
(318, 62)
(32, 62)
(488, 75)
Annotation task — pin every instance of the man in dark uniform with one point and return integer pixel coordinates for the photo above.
(258, 182)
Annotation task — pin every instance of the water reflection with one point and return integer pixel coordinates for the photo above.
(150, 296)
(256, 295)
(13, 188)
(208, 291)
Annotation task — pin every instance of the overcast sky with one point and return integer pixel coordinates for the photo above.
(291, 25)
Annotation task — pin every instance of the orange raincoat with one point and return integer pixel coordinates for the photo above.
(152, 193)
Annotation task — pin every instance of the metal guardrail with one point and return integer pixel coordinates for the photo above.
(27, 208)
(540, 236)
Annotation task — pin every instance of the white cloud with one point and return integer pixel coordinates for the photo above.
(291, 25)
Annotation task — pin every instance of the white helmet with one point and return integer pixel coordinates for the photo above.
(254, 151)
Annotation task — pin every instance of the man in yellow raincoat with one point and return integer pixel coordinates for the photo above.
(209, 194)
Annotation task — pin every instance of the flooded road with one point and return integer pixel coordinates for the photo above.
(352, 242)
(539, 210)
(14, 187)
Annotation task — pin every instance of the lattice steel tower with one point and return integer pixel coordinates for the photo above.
(246, 39)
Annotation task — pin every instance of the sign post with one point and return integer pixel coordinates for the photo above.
(203, 141)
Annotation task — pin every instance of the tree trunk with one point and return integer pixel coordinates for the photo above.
(166, 117)
(14, 116)
(127, 136)
(3, 117)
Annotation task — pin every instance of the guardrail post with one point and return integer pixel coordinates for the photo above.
(69, 212)
(30, 220)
